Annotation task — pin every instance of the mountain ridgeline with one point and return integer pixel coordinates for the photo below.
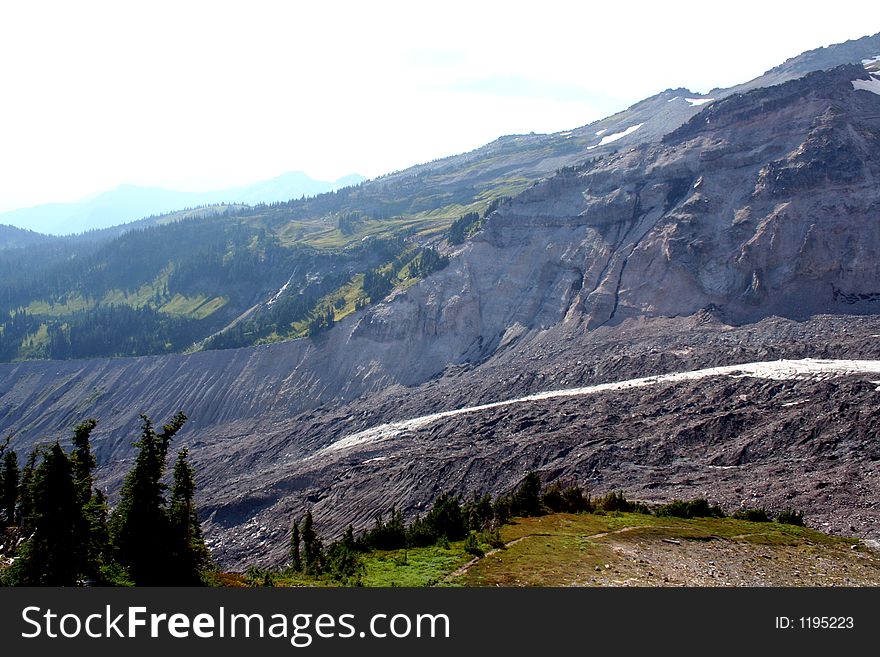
(686, 232)
(127, 203)
(233, 276)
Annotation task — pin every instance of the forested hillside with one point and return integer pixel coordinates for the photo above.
(173, 286)
(233, 276)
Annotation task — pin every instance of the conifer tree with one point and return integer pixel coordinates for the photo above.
(526, 501)
(190, 554)
(67, 518)
(9, 477)
(82, 460)
(25, 492)
(92, 534)
(139, 527)
(51, 556)
(295, 555)
(343, 562)
(98, 555)
(312, 549)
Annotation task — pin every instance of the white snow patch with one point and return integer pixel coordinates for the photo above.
(601, 132)
(616, 136)
(696, 102)
(672, 99)
(872, 85)
(279, 292)
(778, 370)
(794, 403)
(872, 60)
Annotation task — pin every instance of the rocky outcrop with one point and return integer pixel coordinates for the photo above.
(762, 204)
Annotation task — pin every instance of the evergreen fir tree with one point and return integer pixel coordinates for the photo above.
(25, 492)
(9, 479)
(295, 556)
(51, 556)
(98, 556)
(92, 526)
(526, 501)
(343, 562)
(139, 527)
(312, 548)
(445, 518)
(83, 461)
(190, 554)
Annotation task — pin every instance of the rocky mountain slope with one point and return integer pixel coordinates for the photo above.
(742, 231)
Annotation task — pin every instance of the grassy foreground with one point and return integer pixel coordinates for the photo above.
(624, 549)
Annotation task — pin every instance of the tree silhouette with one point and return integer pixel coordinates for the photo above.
(189, 553)
(9, 476)
(312, 548)
(139, 527)
(295, 556)
(51, 556)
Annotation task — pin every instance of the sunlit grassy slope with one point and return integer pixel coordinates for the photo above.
(626, 549)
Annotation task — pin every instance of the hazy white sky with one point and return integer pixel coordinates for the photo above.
(203, 95)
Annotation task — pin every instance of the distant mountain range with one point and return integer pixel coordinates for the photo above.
(129, 202)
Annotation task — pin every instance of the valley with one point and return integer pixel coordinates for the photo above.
(678, 301)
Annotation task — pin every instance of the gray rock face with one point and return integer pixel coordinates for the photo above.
(760, 205)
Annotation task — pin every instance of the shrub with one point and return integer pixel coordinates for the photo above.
(613, 501)
(493, 539)
(526, 500)
(501, 510)
(697, 508)
(446, 519)
(639, 507)
(576, 500)
(753, 515)
(565, 500)
(791, 517)
(419, 534)
(256, 576)
(343, 563)
(443, 523)
(389, 535)
(551, 498)
(478, 512)
(675, 509)
(472, 545)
